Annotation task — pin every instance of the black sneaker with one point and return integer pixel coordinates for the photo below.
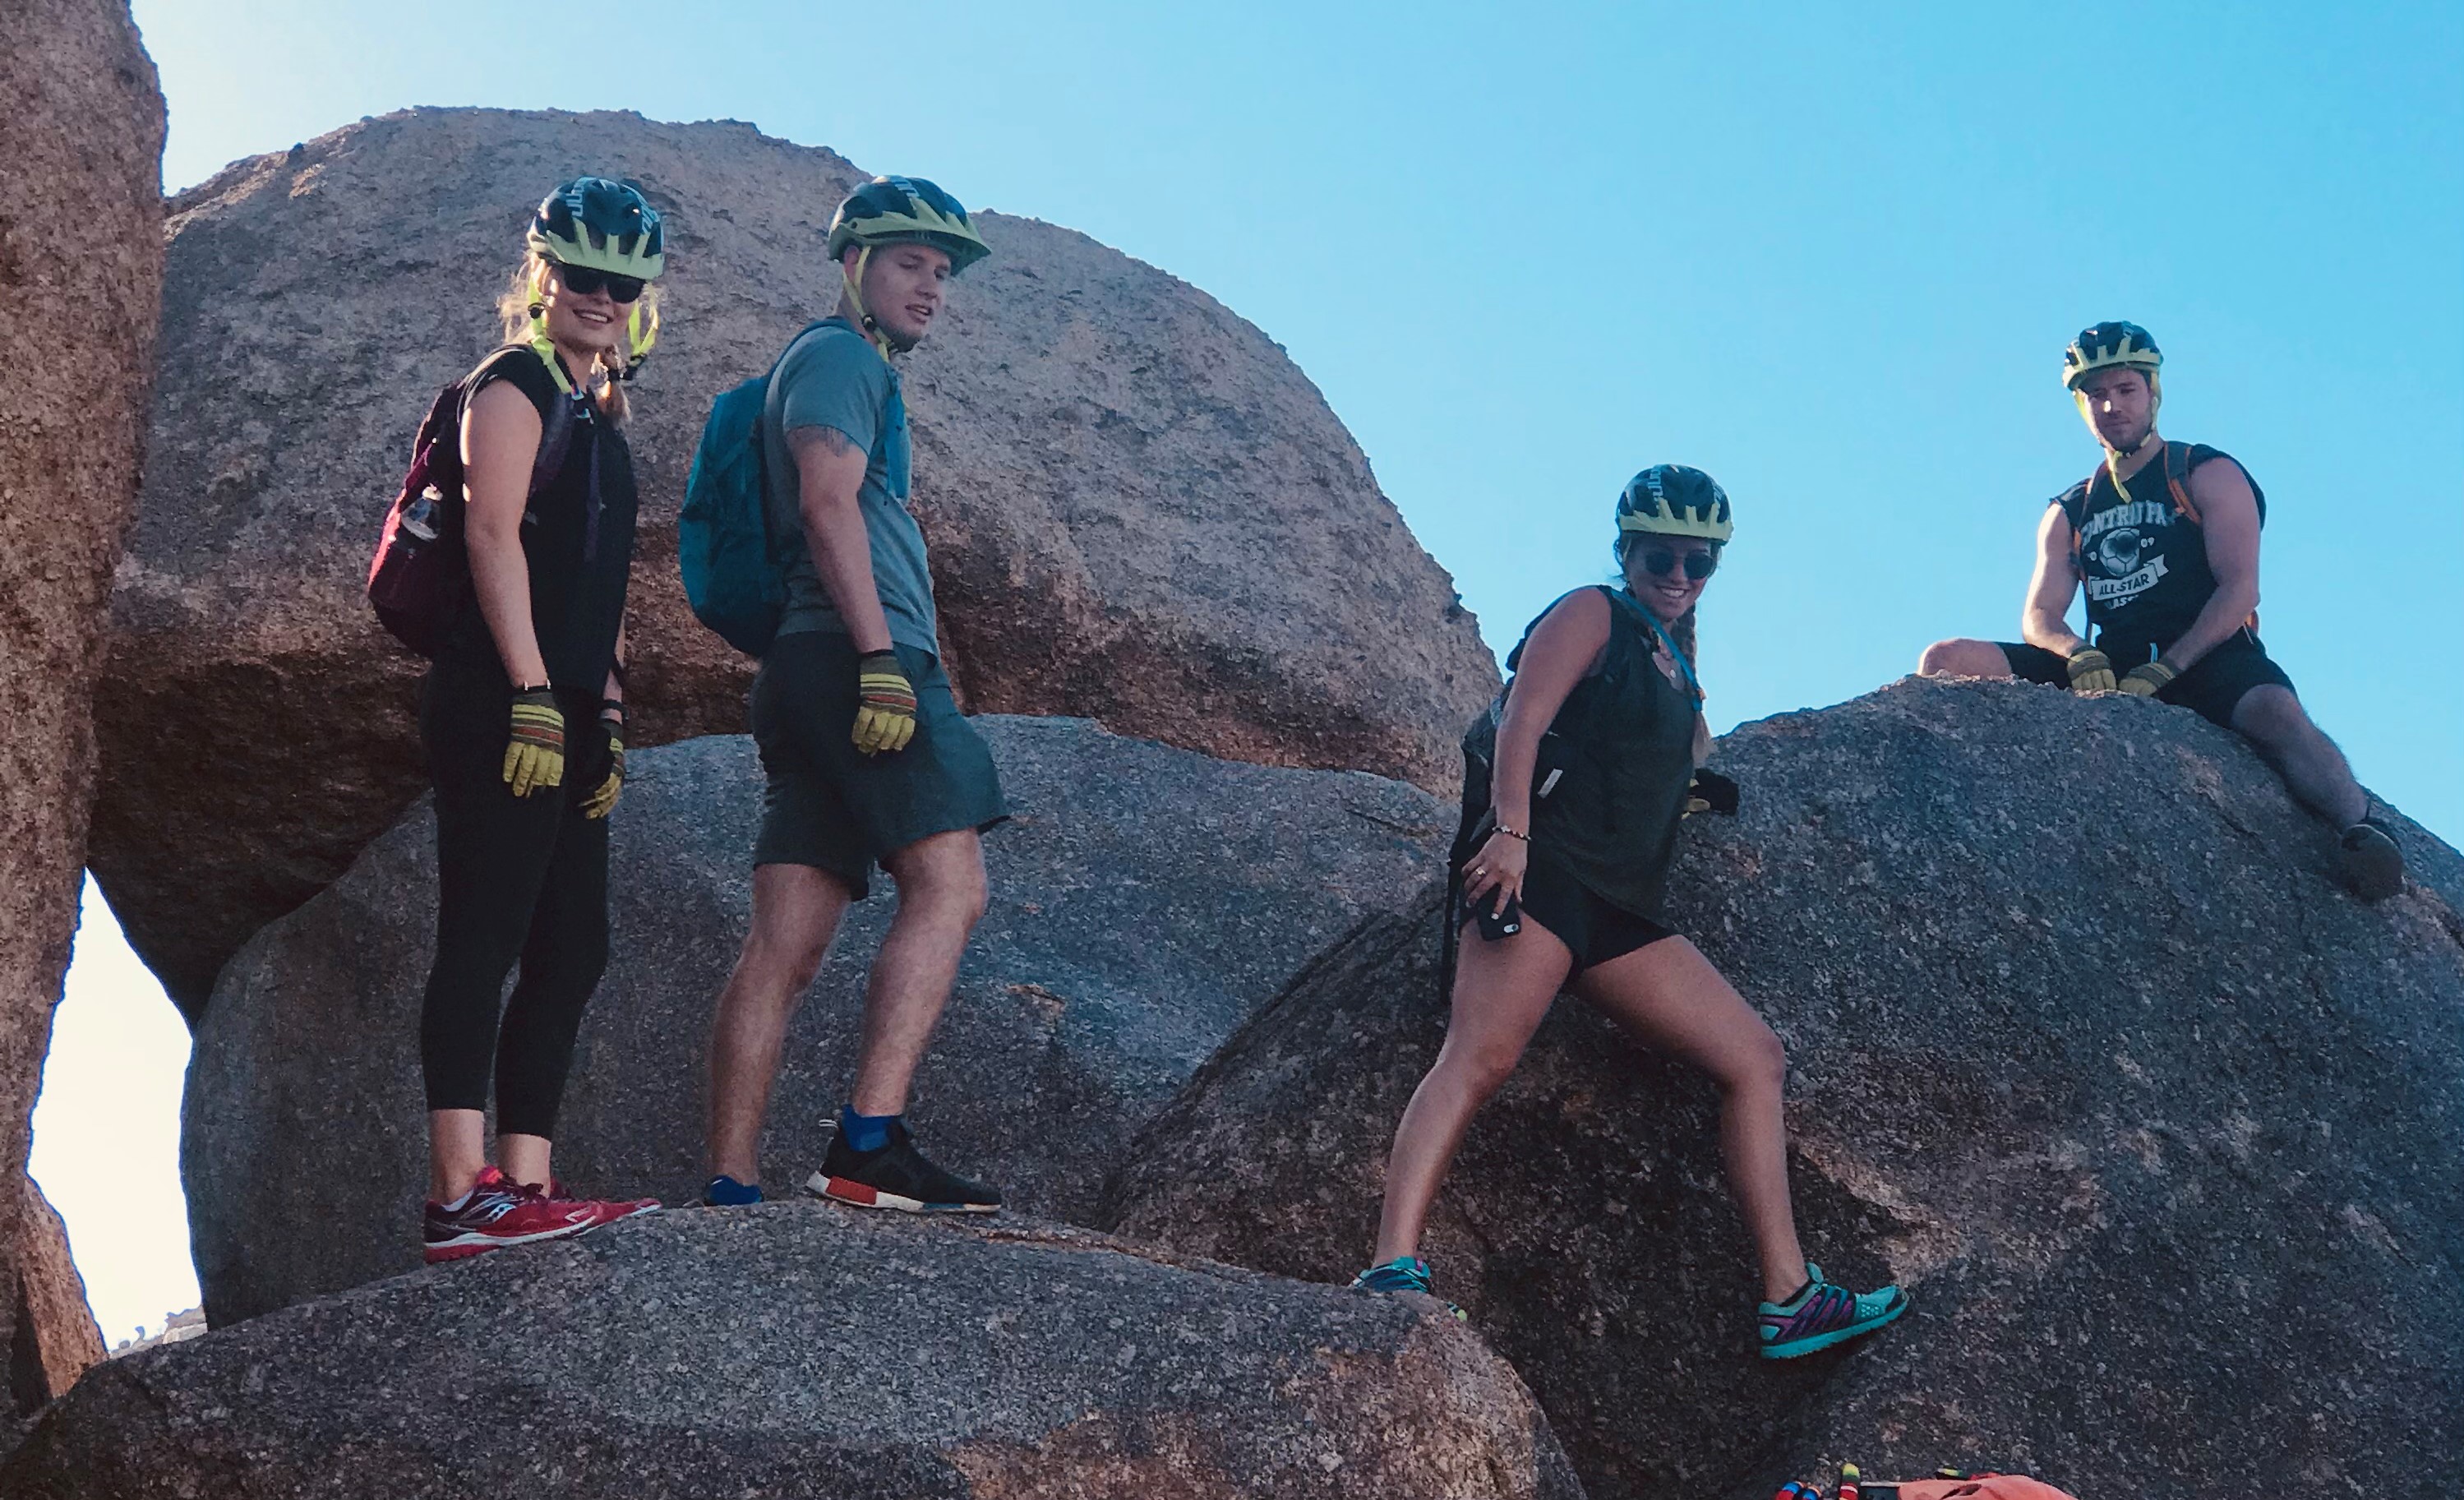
(897, 1176)
(2373, 863)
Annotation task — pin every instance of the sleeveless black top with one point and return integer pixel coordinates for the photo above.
(1609, 785)
(2142, 561)
(577, 540)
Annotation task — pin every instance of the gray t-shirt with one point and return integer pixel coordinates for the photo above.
(834, 378)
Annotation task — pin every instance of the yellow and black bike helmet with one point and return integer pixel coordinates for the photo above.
(602, 225)
(2114, 345)
(907, 210)
(599, 223)
(2106, 346)
(1675, 500)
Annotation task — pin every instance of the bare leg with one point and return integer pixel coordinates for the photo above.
(941, 897)
(1668, 997)
(458, 1150)
(1501, 991)
(2313, 770)
(1963, 659)
(796, 912)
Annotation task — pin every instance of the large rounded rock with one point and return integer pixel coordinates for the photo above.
(1140, 510)
(802, 1350)
(2088, 1049)
(1145, 901)
(80, 277)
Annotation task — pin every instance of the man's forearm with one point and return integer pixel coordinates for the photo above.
(2227, 611)
(2053, 634)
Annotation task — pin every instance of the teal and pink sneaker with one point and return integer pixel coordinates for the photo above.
(1403, 1274)
(1823, 1314)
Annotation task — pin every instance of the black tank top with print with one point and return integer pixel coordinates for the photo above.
(2142, 558)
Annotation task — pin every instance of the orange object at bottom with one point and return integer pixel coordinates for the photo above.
(1994, 1486)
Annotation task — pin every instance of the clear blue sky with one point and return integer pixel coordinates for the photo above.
(1829, 253)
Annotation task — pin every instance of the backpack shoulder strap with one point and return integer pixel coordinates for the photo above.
(2073, 501)
(1621, 601)
(2177, 479)
(556, 427)
(556, 435)
(780, 363)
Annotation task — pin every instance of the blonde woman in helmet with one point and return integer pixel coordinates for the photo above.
(522, 718)
(1574, 787)
(2164, 538)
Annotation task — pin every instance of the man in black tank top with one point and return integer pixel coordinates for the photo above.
(2163, 538)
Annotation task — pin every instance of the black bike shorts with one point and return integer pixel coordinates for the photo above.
(1593, 930)
(2212, 688)
(835, 808)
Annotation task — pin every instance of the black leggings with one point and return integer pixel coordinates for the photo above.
(517, 877)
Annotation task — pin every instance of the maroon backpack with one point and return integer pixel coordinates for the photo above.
(421, 575)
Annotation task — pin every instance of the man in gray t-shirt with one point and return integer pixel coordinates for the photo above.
(868, 759)
(833, 378)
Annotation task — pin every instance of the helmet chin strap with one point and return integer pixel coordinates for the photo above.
(882, 339)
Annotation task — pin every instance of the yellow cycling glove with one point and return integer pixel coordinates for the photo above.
(535, 754)
(885, 711)
(2091, 671)
(2146, 682)
(603, 799)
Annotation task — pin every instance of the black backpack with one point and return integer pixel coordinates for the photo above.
(420, 577)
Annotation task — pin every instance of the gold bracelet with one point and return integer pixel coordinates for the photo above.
(1512, 834)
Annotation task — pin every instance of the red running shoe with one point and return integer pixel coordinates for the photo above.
(609, 1209)
(499, 1211)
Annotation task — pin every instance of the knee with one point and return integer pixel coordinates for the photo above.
(1477, 1069)
(958, 894)
(2272, 716)
(1962, 658)
(1759, 1067)
(785, 960)
(588, 962)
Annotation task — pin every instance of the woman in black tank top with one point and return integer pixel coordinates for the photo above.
(1574, 784)
(522, 722)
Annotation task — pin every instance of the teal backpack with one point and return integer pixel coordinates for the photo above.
(731, 579)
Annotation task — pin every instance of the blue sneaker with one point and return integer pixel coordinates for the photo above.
(1823, 1314)
(1403, 1273)
(726, 1192)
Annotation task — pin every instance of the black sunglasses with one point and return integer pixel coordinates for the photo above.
(583, 280)
(1698, 564)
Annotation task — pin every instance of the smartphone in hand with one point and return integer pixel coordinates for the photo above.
(1494, 925)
